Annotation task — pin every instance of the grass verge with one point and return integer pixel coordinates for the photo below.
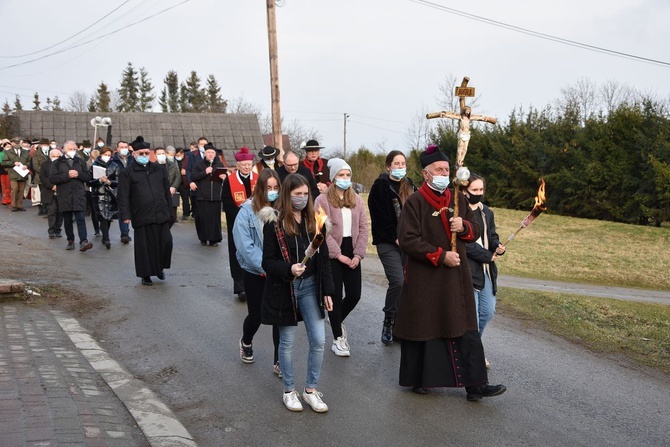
(637, 331)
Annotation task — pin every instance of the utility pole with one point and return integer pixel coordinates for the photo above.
(345, 135)
(277, 140)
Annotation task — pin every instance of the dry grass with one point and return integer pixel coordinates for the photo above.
(638, 331)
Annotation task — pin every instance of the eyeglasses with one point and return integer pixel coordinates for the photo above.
(143, 153)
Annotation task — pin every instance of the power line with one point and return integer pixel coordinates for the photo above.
(94, 39)
(376, 127)
(529, 32)
(72, 36)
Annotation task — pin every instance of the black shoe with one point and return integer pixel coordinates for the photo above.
(387, 331)
(70, 245)
(242, 297)
(184, 217)
(85, 245)
(20, 209)
(125, 238)
(213, 244)
(52, 236)
(59, 234)
(203, 243)
(419, 390)
(107, 244)
(96, 234)
(146, 281)
(14, 209)
(161, 275)
(477, 392)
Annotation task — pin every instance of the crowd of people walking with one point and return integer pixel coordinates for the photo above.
(286, 263)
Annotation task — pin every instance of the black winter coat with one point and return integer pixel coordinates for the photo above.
(144, 195)
(278, 305)
(103, 195)
(47, 194)
(71, 191)
(478, 255)
(383, 213)
(208, 189)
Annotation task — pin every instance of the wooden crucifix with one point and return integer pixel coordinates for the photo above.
(463, 118)
(463, 135)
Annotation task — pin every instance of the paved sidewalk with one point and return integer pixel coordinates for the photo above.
(52, 395)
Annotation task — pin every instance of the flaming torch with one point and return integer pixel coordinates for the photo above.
(320, 219)
(540, 205)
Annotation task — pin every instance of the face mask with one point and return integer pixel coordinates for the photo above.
(343, 184)
(123, 152)
(143, 159)
(101, 144)
(45, 150)
(54, 159)
(105, 158)
(87, 151)
(273, 195)
(440, 182)
(399, 173)
(71, 154)
(475, 198)
(201, 149)
(299, 203)
(170, 157)
(160, 158)
(52, 146)
(269, 161)
(179, 158)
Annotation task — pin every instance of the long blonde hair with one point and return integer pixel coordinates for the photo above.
(348, 200)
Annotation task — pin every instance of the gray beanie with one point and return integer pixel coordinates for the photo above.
(336, 165)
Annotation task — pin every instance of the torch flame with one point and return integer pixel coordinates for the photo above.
(320, 217)
(541, 199)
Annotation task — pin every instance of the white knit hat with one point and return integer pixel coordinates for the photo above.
(336, 165)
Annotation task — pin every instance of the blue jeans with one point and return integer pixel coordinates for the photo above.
(485, 304)
(305, 293)
(124, 228)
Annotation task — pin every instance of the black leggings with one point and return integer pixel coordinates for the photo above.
(351, 279)
(253, 286)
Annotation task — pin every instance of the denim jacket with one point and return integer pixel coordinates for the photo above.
(248, 237)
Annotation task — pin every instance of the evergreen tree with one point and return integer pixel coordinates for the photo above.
(129, 92)
(36, 102)
(56, 104)
(103, 99)
(17, 103)
(92, 104)
(6, 108)
(215, 103)
(169, 99)
(147, 97)
(193, 97)
(49, 106)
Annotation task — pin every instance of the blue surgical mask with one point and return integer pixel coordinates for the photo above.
(343, 184)
(123, 152)
(273, 195)
(87, 151)
(399, 173)
(143, 159)
(440, 182)
(299, 203)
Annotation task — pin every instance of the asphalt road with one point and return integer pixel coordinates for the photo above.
(181, 337)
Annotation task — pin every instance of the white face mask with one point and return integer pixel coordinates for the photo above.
(123, 152)
(105, 158)
(101, 144)
(71, 154)
(160, 158)
(171, 157)
(179, 158)
(53, 146)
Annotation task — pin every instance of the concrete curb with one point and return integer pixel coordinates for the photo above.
(159, 425)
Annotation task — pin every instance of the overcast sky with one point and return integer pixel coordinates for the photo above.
(380, 61)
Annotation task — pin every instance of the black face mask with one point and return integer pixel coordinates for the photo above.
(474, 198)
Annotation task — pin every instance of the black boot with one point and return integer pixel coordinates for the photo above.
(387, 331)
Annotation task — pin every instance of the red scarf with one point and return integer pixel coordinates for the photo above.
(310, 165)
(440, 203)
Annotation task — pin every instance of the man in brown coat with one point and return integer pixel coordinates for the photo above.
(17, 158)
(436, 320)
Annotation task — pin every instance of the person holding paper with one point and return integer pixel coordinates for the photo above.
(208, 175)
(15, 162)
(105, 177)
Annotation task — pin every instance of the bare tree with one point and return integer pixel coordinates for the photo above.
(418, 131)
(581, 97)
(612, 94)
(78, 102)
(240, 105)
(448, 100)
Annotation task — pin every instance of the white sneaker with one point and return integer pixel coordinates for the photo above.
(292, 402)
(313, 399)
(340, 347)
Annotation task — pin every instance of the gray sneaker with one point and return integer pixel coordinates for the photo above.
(313, 399)
(291, 401)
